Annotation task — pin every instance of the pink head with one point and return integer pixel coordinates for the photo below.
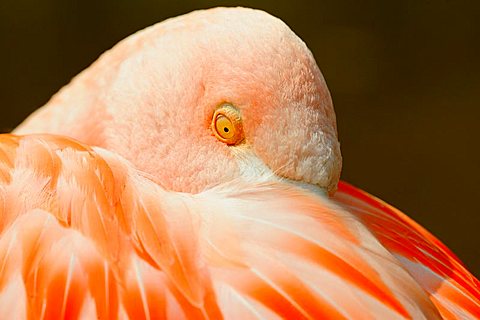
(152, 99)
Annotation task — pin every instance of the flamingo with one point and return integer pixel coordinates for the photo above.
(192, 172)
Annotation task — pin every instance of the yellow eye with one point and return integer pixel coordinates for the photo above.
(224, 127)
(227, 124)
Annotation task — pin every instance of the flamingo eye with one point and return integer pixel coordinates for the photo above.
(227, 124)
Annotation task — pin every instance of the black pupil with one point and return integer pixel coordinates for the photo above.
(225, 129)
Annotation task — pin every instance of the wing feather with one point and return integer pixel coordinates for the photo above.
(452, 288)
(85, 219)
(92, 235)
(246, 234)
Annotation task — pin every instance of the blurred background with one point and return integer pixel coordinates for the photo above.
(404, 76)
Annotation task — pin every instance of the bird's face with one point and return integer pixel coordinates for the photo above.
(229, 94)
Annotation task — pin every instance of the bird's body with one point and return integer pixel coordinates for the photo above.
(127, 216)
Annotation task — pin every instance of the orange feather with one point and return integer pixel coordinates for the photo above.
(95, 237)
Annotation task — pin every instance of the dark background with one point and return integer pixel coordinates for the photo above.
(404, 76)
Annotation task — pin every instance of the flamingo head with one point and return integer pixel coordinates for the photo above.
(219, 95)
(215, 96)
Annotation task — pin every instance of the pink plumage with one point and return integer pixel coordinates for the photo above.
(191, 173)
